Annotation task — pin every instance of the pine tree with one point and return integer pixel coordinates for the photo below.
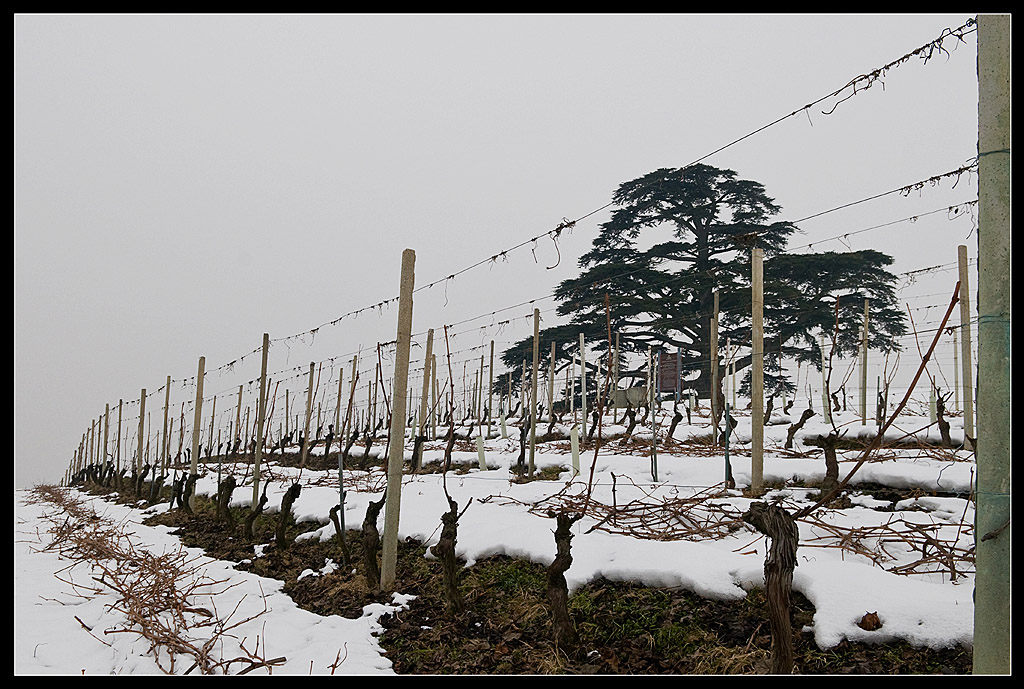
(679, 234)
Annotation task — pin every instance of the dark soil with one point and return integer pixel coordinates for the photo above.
(623, 628)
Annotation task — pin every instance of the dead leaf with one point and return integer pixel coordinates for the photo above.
(870, 622)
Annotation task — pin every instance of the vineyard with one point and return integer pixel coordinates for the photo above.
(717, 452)
(885, 565)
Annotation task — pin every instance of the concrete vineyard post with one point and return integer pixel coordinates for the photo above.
(757, 375)
(490, 388)
(106, 436)
(197, 422)
(337, 404)
(261, 418)
(965, 345)
(164, 447)
(992, 518)
(551, 385)
(864, 369)
(583, 385)
(533, 388)
(650, 401)
(117, 462)
(826, 406)
(713, 354)
(426, 381)
(309, 411)
(142, 429)
(956, 376)
(396, 449)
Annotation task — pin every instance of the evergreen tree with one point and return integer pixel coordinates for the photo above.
(679, 234)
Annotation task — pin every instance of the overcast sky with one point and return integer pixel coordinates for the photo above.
(184, 183)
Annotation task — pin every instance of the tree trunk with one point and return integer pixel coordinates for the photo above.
(524, 431)
(791, 433)
(445, 552)
(594, 422)
(940, 411)
(224, 491)
(341, 534)
(558, 591)
(631, 413)
(371, 544)
(250, 518)
(186, 494)
(831, 480)
(676, 418)
(778, 525)
(281, 537)
(417, 453)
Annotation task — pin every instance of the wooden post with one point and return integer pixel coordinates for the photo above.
(993, 593)
(650, 392)
(309, 410)
(956, 376)
(713, 354)
(615, 379)
(522, 405)
(490, 388)
(287, 412)
(480, 391)
(551, 385)
(261, 418)
(583, 386)
(426, 381)
(106, 436)
(238, 415)
(572, 391)
(679, 374)
(376, 385)
(826, 405)
(117, 464)
(864, 369)
(142, 429)
(966, 358)
(433, 397)
(533, 388)
(396, 449)
(337, 405)
(757, 374)
(213, 414)
(164, 447)
(732, 370)
(197, 421)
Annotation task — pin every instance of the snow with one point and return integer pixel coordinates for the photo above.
(925, 609)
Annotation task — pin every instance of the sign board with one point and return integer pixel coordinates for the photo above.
(668, 371)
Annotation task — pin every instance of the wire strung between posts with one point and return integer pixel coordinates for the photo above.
(857, 85)
(864, 81)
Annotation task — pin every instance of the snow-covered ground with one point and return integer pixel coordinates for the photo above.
(52, 611)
